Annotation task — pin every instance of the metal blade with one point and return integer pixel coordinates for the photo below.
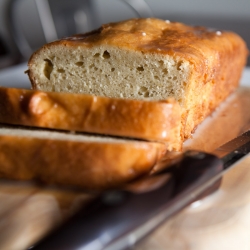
(234, 150)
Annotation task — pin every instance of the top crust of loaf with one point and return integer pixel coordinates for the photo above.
(155, 36)
(183, 42)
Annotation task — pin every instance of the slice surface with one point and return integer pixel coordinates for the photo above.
(74, 160)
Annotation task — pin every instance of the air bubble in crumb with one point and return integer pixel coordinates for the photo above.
(106, 54)
(60, 70)
(140, 68)
(179, 65)
(79, 64)
(48, 68)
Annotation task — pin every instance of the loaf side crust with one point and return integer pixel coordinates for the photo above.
(146, 59)
(154, 121)
(90, 163)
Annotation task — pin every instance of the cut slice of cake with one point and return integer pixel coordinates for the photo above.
(154, 121)
(91, 162)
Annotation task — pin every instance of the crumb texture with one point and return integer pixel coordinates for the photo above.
(112, 72)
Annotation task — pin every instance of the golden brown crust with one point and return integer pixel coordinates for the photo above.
(150, 35)
(213, 83)
(216, 58)
(157, 121)
(91, 165)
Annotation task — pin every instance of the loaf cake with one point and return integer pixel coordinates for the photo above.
(145, 59)
(149, 79)
(91, 162)
(154, 121)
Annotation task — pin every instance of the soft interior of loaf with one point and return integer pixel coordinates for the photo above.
(54, 135)
(110, 71)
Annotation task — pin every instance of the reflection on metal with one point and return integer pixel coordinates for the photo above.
(81, 21)
(57, 19)
(140, 7)
(46, 19)
(16, 32)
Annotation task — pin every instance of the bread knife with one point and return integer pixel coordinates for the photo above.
(118, 219)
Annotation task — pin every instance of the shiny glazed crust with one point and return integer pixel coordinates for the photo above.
(155, 121)
(85, 164)
(212, 61)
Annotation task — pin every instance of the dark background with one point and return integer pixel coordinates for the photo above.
(25, 25)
